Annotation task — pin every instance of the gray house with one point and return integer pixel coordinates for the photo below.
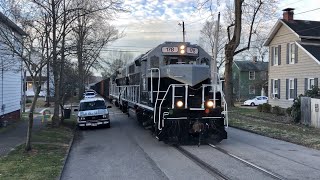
(11, 76)
(294, 55)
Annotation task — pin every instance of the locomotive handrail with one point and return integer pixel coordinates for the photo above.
(226, 119)
(155, 104)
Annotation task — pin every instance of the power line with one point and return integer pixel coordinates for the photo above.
(307, 11)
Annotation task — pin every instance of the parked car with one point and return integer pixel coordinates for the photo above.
(93, 112)
(256, 101)
(89, 94)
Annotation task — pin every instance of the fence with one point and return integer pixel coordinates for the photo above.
(310, 114)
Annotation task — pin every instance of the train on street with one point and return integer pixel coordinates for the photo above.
(172, 93)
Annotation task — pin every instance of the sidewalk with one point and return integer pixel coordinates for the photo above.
(17, 135)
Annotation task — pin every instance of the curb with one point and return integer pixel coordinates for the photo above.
(67, 155)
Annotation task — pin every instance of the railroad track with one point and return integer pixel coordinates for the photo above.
(207, 167)
(218, 174)
(269, 173)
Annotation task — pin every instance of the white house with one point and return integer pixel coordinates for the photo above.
(30, 88)
(11, 76)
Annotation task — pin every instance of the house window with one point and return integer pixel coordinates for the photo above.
(275, 88)
(251, 75)
(275, 56)
(252, 90)
(291, 53)
(310, 83)
(291, 88)
(29, 87)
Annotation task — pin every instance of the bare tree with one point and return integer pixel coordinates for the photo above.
(115, 61)
(91, 33)
(207, 37)
(249, 11)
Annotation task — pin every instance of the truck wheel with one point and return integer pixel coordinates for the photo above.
(108, 125)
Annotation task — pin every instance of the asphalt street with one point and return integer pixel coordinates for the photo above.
(127, 151)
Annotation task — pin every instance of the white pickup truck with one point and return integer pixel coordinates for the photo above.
(93, 112)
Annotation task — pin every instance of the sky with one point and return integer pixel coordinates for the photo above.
(152, 22)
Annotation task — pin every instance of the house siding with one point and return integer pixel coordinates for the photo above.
(306, 67)
(10, 84)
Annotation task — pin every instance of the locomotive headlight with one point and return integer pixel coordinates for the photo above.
(182, 51)
(182, 47)
(179, 104)
(210, 104)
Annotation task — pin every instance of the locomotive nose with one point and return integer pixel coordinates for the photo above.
(187, 73)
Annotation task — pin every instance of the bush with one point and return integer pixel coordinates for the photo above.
(277, 110)
(295, 109)
(28, 101)
(259, 107)
(266, 107)
(288, 111)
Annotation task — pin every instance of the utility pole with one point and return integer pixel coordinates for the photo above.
(183, 31)
(214, 72)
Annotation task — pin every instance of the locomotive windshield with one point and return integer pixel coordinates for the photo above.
(184, 60)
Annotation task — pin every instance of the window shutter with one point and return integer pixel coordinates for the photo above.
(316, 82)
(271, 88)
(295, 87)
(287, 89)
(279, 55)
(279, 92)
(272, 53)
(305, 84)
(288, 45)
(296, 53)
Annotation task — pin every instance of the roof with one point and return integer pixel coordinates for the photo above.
(4, 19)
(251, 65)
(304, 28)
(312, 49)
(300, 28)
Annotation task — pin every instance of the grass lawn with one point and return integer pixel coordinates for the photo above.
(262, 123)
(45, 160)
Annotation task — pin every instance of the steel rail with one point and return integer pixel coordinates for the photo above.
(269, 173)
(207, 167)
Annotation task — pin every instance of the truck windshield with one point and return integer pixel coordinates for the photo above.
(84, 106)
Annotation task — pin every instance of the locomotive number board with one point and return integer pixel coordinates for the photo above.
(169, 49)
(190, 50)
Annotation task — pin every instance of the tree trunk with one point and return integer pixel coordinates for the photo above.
(230, 49)
(30, 117)
(55, 67)
(228, 78)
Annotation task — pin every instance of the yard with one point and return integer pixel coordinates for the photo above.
(45, 160)
(271, 125)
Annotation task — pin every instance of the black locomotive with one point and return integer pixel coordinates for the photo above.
(170, 89)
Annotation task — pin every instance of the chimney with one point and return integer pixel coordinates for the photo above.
(288, 14)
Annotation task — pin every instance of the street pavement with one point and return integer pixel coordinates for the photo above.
(127, 151)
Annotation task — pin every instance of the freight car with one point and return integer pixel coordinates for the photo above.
(171, 91)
